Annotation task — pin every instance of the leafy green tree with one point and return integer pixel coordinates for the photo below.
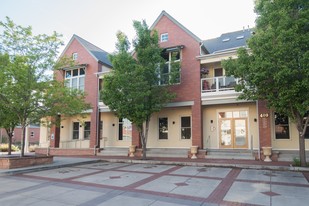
(28, 92)
(275, 68)
(132, 89)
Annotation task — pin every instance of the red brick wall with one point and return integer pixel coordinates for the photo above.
(189, 89)
(91, 82)
(18, 135)
(264, 124)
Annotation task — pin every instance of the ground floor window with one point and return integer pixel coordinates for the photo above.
(87, 130)
(125, 130)
(282, 128)
(75, 130)
(186, 127)
(163, 128)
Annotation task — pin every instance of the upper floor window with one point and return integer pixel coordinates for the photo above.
(282, 128)
(74, 56)
(32, 134)
(164, 37)
(75, 78)
(170, 73)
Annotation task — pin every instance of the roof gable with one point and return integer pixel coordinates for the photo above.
(97, 53)
(228, 41)
(164, 13)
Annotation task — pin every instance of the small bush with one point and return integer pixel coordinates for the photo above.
(5, 147)
(32, 147)
(296, 162)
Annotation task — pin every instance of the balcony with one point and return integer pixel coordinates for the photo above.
(219, 88)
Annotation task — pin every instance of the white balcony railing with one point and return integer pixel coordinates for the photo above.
(218, 84)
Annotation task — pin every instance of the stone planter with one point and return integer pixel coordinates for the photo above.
(194, 152)
(132, 150)
(267, 153)
(27, 161)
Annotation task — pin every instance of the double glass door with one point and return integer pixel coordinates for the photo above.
(233, 133)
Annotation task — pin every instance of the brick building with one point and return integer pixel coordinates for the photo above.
(206, 112)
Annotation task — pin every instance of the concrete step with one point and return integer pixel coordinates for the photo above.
(230, 154)
(288, 156)
(167, 152)
(114, 151)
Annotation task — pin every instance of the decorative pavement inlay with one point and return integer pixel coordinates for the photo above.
(180, 184)
(149, 167)
(202, 170)
(270, 193)
(114, 177)
(270, 175)
(63, 171)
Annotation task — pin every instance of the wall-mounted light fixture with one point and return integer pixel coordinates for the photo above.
(211, 121)
(113, 125)
(255, 120)
(173, 122)
(80, 125)
(62, 127)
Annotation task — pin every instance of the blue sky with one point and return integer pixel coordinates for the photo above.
(98, 20)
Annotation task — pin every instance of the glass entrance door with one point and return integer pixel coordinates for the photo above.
(233, 133)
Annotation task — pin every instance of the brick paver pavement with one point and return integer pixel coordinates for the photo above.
(106, 183)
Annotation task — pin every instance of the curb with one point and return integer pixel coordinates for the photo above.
(44, 167)
(201, 164)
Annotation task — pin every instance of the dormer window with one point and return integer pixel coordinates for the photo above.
(74, 56)
(164, 37)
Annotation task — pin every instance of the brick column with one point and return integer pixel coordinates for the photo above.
(197, 137)
(264, 124)
(54, 136)
(136, 140)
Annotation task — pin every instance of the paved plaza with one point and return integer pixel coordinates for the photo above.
(106, 183)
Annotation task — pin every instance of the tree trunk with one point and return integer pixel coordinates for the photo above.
(302, 150)
(22, 152)
(10, 144)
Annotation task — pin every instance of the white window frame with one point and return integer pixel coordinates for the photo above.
(74, 56)
(80, 79)
(170, 67)
(164, 37)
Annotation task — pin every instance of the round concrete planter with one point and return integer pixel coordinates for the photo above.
(132, 150)
(267, 153)
(194, 152)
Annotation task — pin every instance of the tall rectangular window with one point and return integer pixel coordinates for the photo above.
(87, 130)
(75, 78)
(125, 130)
(170, 72)
(74, 56)
(163, 128)
(282, 128)
(75, 130)
(186, 127)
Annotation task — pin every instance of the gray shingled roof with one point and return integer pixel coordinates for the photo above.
(96, 52)
(228, 41)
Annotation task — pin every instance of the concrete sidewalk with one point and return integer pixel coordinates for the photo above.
(110, 183)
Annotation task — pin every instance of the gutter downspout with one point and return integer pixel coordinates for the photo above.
(258, 126)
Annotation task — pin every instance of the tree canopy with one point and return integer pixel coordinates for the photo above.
(28, 91)
(275, 66)
(132, 89)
